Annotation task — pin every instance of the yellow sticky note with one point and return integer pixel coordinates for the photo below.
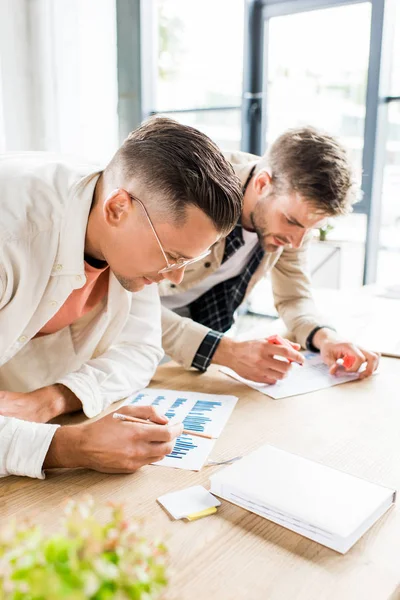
(202, 513)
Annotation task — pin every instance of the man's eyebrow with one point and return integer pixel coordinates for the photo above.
(295, 222)
(179, 254)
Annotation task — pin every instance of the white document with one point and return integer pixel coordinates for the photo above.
(313, 375)
(190, 453)
(202, 413)
(188, 502)
(321, 503)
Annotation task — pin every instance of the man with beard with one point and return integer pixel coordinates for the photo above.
(80, 323)
(304, 178)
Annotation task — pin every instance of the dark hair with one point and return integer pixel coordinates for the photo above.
(315, 165)
(183, 166)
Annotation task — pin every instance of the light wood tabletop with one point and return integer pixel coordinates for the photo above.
(234, 554)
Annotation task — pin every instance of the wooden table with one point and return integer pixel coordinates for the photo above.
(238, 555)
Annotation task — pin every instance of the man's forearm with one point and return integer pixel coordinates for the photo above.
(41, 405)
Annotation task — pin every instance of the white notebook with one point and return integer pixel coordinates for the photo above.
(321, 503)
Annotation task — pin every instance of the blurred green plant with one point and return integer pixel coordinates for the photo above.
(85, 560)
(324, 230)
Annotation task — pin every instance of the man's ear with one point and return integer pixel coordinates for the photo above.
(262, 182)
(117, 207)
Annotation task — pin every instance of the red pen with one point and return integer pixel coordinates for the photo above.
(280, 341)
(348, 361)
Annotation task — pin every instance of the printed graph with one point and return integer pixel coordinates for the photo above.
(200, 413)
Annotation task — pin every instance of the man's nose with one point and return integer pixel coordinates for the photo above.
(175, 276)
(297, 239)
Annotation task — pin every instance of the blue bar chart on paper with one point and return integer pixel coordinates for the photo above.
(189, 453)
(200, 413)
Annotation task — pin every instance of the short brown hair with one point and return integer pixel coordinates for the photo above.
(182, 165)
(315, 165)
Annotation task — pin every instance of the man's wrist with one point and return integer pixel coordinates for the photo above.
(224, 353)
(61, 399)
(65, 449)
(205, 352)
(323, 335)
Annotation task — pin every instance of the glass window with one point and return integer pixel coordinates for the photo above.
(389, 253)
(395, 82)
(317, 74)
(317, 68)
(200, 54)
(222, 126)
(200, 65)
(389, 239)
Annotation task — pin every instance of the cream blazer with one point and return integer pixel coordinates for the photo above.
(288, 267)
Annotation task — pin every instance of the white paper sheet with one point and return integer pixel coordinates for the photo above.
(313, 375)
(187, 502)
(203, 413)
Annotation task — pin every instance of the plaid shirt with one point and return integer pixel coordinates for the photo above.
(216, 307)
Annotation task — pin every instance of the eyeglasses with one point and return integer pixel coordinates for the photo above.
(178, 264)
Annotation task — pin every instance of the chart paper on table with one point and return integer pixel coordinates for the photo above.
(312, 376)
(203, 413)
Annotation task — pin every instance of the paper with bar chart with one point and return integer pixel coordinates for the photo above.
(202, 413)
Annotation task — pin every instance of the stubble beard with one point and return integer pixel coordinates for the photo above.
(259, 230)
(130, 285)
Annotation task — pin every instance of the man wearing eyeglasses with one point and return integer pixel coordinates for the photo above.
(74, 244)
(305, 178)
